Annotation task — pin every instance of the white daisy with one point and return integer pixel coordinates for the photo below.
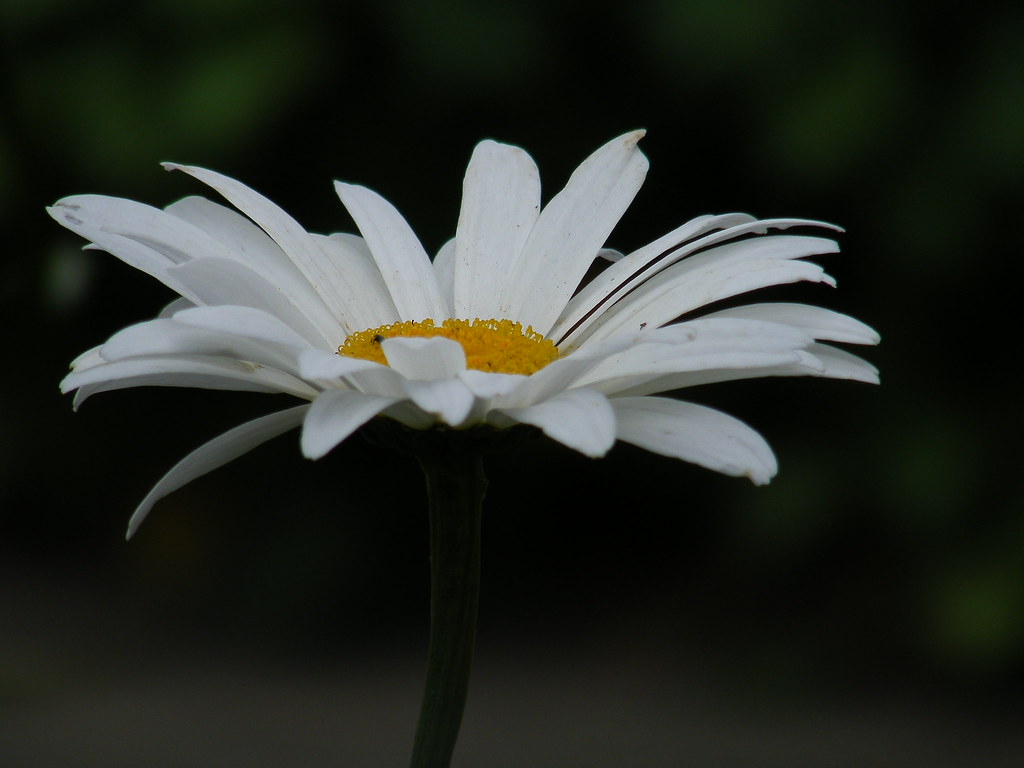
(496, 330)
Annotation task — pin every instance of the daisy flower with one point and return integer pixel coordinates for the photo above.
(499, 329)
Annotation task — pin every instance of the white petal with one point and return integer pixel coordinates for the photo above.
(610, 254)
(367, 301)
(695, 433)
(560, 374)
(84, 215)
(571, 230)
(697, 246)
(183, 371)
(487, 386)
(807, 364)
(819, 322)
(656, 360)
(325, 366)
(675, 293)
(450, 400)
(840, 364)
(215, 281)
(500, 204)
(637, 266)
(319, 270)
(164, 337)
(335, 415)
(403, 263)
(425, 358)
(216, 453)
(249, 245)
(244, 322)
(174, 307)
(444, 271)
(705, 344)
(582, 419)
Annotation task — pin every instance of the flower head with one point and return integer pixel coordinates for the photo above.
(495, 330)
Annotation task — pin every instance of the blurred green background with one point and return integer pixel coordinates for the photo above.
(636, 611)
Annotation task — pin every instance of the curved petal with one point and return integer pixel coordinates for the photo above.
(637, 270)
(500, 205)
(334, 416)
(403, 263)
(704, 344)
(450, 400)
(217, 453)
(324, 366)
(444, 271)
(183, 371)
(819, 322)
(628, 270)
(581, 419)
(244, 322)
(425, 358)
(696, 434)
(168, 338)
(671, 295)
(320, 272)
(249, 245)
(216, 281)
(840, 364)
(571, 230)
(367, 301)
(77, 214)
(806, 364)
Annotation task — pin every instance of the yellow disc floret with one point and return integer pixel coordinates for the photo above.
(496, 346)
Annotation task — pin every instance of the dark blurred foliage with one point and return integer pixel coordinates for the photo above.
(891, 545)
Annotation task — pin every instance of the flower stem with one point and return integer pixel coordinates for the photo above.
(455, 490)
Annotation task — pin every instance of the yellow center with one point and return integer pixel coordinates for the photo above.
(496, 346)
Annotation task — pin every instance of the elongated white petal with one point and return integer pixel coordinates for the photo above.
(704, 344)
(500, 205)
(562, 373)
(246, 243)
(444, 271)
(318, 365)
(244, 322)
(334, 416)
(571, 230)
(174, 307)
(183, 371)
(88, 359)
(652, 361)
(450, 400)
(216, 453)
(215, 281)
(582, 419)
(167, 338)
(174, 238)
(807, 364)
(403, 263)
(650, 262)
(662, 300)
(487, 386)
(77, 214)
(840, 364)
(695, 433)
(425, 358)
(819, 322)
(628, 271)
(367, 301)
(320, 271)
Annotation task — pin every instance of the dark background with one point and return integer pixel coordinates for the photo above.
(866, 608)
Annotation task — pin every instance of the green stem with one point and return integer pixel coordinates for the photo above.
(455, 490)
